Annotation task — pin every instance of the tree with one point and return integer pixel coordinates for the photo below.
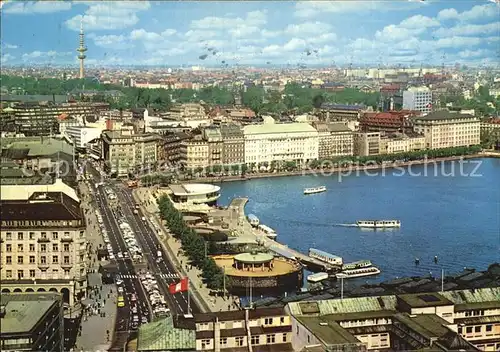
(254, 98)
(318, 100)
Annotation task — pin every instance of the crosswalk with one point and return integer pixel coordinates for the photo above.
(163, 276)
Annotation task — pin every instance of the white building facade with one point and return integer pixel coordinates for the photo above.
(82, 135)
(418, 99)
(280, 142)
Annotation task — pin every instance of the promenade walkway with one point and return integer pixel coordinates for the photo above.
(180, 260)
(100, 317)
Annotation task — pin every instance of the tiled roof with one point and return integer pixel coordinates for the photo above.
(346, 305)
(470, 298)
(342, 107)
(278, 128)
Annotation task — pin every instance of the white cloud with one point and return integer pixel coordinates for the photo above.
(475, 13)
(243, 31)
(111, 41)
(307, 28)
(106, 15)
(270, 34)
(322, 38)
(5, 58)
(254, 18)
(33, 7)
(295, 44)
(469, 29)
(419, 21)
(468, 54)
(396, 33)
(199, 35)
(44, 55)
(9, 46)
(308, 9)
(457, 42)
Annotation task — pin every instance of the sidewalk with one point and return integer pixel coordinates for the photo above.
(214, 303)
(100, 317)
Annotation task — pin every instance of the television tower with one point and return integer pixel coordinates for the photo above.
(81, 51)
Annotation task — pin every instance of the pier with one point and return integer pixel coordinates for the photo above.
(236, 219)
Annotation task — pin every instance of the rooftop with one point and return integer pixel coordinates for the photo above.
(425, 300)
(37, 146)
(24, 310)
(163, 336)
(14, 192)
(328, 331)
(255, 258)
(193, 189)
(268, 128)
(444, 115)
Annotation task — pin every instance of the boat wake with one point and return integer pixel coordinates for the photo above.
(345, 225)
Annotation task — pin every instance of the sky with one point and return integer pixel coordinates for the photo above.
(209, 33)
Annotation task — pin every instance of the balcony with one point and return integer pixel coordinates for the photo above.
(67, 264)
(43, 240)
(43, 265)
(66, 239)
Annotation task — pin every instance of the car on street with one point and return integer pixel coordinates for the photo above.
(120, 302)
(119, 282)
(120, 289)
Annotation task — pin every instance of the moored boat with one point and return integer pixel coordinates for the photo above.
(378, 224)
(360, 264)
(325, 257)
(314, 190)
(268, 231)
(318, 277)
(253, 220)
(354, 273)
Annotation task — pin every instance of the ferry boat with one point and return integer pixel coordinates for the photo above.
(351, 274)
(268, 231)
(315, 190)
(318, 277)
(378, 224)
(360, 264)
(253, 220)
(325, 257)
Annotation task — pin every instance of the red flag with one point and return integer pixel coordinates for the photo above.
(181, 286)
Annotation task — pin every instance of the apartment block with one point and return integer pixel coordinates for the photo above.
(43, 242)
(213, 137)
(418, 99)
(466, 320)
(367, 143)
(270, 142)
(400, 143)
(445, 129)
(172, 145)
(126, 152)
(195, 152)
(334, 139)
(31, 322)
(264, 329)
(233, 144)
(336, 112)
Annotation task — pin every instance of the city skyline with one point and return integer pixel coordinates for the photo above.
(252, 33)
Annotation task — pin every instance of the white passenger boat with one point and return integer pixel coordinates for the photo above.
(378, 224)
(351, 274)
(360, 264)
(318, 277)
(325, 257)
(253, 220)
(268, 231)
(315, 190)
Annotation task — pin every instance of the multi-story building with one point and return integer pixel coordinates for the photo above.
(490, 130)
(195, 152)
(173, 146)
(125, 152)
(367, 143)
(280, 142)
(444, 129)
(213, 137)
(81, 135)
(42, 119)
(31, 322)
(467, 320)
(334, 139)
(400, 143)
(418, 99)
(190, 111)
(336, 112)
(261, 328)
(233, 144)
(390, 121)
(43, 242)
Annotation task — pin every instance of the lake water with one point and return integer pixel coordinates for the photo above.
(455, 217)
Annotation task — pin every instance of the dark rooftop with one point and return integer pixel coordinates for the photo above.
(444, 115)
(424, 300)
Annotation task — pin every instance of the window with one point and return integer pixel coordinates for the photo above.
(20, 259)
(66, 259)
(32, 235)
(43, 259)
(8, 247)
(468, 330)
(489, 328)
(239, 341)
(19, 236)
(268, 321)
(20, 274)
(282, 320)
(32, 259)
(271, 338)
(285, 337)
(8, 273)
(255, 340)
(20, 247)
(66, 247)
(477, 329)
(44, 235)
(32, 247)
(223, 341)
(55, 259)
(66, 272)
(308, 338)
(32, 273)
(43, 248)
(205, 344)
(8, 236)
(55, 247)
(55, 235)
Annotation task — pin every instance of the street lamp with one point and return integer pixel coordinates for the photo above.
(341, 276)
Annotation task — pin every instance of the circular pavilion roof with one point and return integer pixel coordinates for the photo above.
(253, 258)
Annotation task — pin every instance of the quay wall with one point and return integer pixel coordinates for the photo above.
(250, 176)
(263, 285)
